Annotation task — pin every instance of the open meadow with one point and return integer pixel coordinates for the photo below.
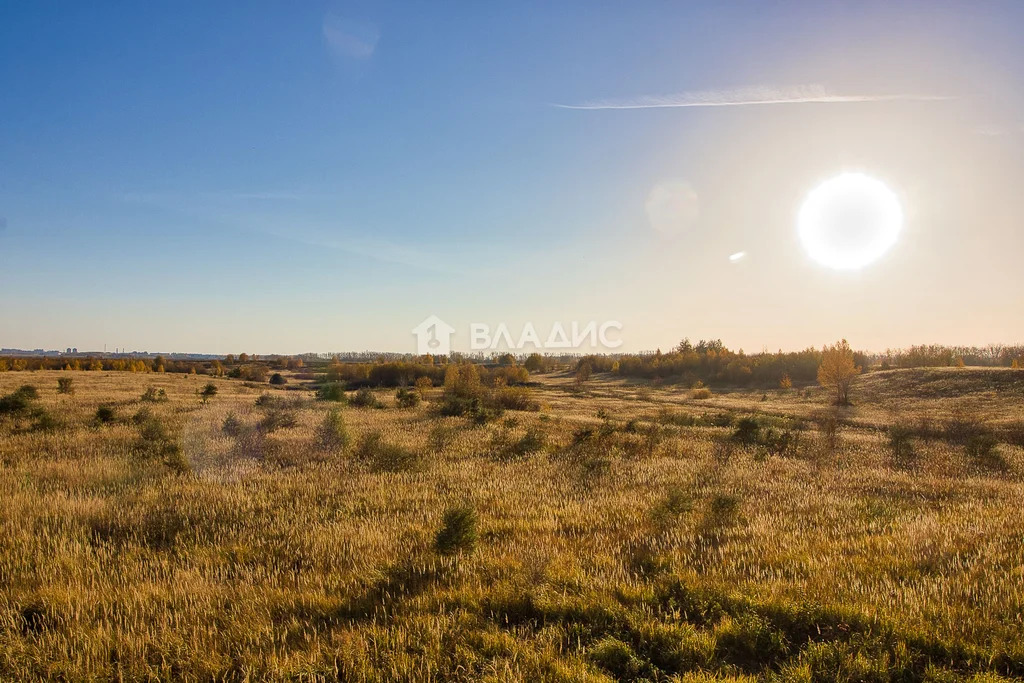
(613, 530)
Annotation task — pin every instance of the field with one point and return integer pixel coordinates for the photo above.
(623, 531)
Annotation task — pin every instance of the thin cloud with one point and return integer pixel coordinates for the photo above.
(349, 39)
(746, 97)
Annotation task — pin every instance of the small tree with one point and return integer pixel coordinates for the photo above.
(423, 385)
(458, 531)
(333, 391)
(785, 383)
(838, 370)
(407, 398)
(208, 392)
(583, 372)
(65, 385)
(332, 435)
(535, 363)
(277, 379)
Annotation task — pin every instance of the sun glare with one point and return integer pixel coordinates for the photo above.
(850, 221)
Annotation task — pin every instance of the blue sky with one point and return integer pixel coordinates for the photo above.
(288, 177)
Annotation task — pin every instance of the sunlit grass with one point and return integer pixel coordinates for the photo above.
(644, 541)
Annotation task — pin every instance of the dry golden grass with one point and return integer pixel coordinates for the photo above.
(641, 542)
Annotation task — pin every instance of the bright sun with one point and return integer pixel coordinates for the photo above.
(849, 221)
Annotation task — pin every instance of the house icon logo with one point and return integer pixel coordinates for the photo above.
(433, 336)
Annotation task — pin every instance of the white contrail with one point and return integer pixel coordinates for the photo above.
(744, 97)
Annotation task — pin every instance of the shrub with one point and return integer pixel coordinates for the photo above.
(208, 392)
(781, 442)
(677, 502)
(105, 415)
(516, 398)
(265, 400)
(177, 462)
(65, 385)
(365, 398)
(28, 391)
(748, 431)
(381, 456)
(278, 418)
(699, 391)
(45, 421)
(332, 391)
(462, 381)
(277, 379)
(453, 406)
(504, 448)
(440, 437)
(721, 513)
(232, 425)
(332, 434)
(406, 398)
(458, 532)
(583, 372)
(154, 395)
(901, 446)
(253, 373)
(618, 659)
(18, 401)
(828, 426)
(156, 441)
(424, 384)
(983, 450)
(481, 413)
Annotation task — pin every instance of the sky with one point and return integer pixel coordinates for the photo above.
(277, 177)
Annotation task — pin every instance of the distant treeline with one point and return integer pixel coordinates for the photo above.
(243, 366)
(938, 356)
(405, 373)
(711, 362)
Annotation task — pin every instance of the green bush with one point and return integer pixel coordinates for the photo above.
(455, 406)
(154, 395)
(618, 659)
(232, 425)
(277, 379)
(157, 442)
(481, 413)
(45, 421)
(208, 392)
(504, 448)
(458, 532)
(899, 438)
(278, 418)
(365, 398)
(515, 398)
(381, 456)
(332, 391)
(65, 385)
(747, 431)
(332, 434)
(407, 398)
(677, 502)
(19, 401)
(105, 415)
